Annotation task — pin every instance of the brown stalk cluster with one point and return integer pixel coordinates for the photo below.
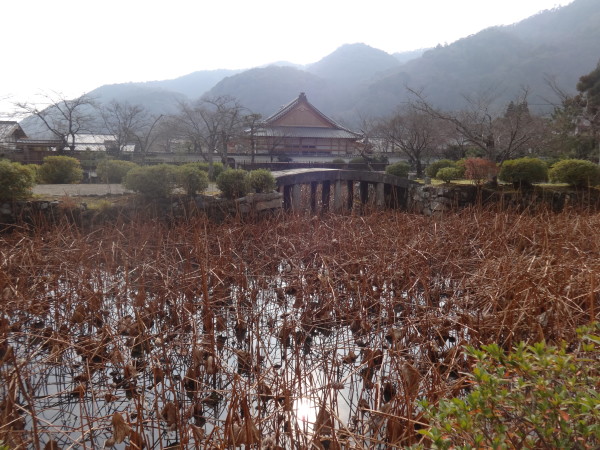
(296, 332)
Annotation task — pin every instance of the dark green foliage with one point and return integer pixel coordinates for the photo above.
(151, 181)
(204, 166)
(262, 181)
(16, 181)
(191, 179)
(338, 161)
(536, 396)
(114, 170)
(447, 174)
(433, 168)
(575, 172)
(233, 183)
(399, 169)
(523, 172)
(60, 170)
(284, 158)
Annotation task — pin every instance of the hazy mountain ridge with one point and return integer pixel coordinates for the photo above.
(360, 81)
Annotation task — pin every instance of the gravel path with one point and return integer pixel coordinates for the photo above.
(78, 190)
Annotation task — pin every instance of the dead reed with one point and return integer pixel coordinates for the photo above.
(297, 332)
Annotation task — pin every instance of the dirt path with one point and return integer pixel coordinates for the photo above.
(79, 190)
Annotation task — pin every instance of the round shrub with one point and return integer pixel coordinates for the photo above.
(479, 169)
(151, 181)
(191, 179)
(338, 161)
(114, 170)
(433, 168)
(60, 170)
(523, 171)
(447, 174)
(16, 181)
(233, 183)
(399, 169)
(262, 181)
(576, 172)
(204, 166)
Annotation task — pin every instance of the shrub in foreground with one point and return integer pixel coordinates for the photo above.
(16, 181)
(578, 173)
(191, 179)
(522, 172)
(114, 170)
(432, 169)
(447, 174)
(60, 170)
(233, 183)
(479, 169)
(537, 396)
(262, 181)
(152, 181)
(399, 169)
(218, 168)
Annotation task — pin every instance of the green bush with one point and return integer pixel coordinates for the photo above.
(151, 181)
(233, 183)
(262, 181)
(535, 396)
(218, 168)
(399, 169)
(191, 179)
(60, 170)
(432, 169)
(447, 174)
(576, 172)
(338, 161)
(16, 181)
(523, 171)
(114, 170)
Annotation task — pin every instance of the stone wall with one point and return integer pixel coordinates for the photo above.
(436, 200)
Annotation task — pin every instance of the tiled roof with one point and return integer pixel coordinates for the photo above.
(10, 129)
(302, 99)
(307, 132)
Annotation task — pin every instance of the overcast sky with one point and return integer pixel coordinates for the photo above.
(75, 46)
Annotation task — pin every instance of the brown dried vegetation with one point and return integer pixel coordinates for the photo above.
(203, 335)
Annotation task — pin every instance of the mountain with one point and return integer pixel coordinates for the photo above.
(560, 44)
(353, 64)
(360, 81)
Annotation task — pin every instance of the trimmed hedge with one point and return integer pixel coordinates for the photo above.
(114, 170)
(399, 169)
(262, 181)
(432, 169)
(523, 171)
(191, 179)
(578, 173)
(60, 170)
(16, 181)
(447, 174)
(233, 183)
(151, 181)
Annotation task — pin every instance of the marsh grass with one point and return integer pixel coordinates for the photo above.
(289, 333)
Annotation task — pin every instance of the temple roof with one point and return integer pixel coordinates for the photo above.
(301, 114)
(306, 132)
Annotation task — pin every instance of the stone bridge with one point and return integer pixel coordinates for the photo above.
(374, 188)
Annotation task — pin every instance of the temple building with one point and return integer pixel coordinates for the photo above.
(301, 129)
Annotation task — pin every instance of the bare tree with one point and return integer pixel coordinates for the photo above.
(125, 122)
(62, 117)
(414, 132)
(499, 136)
(210, 123)
(252, 123)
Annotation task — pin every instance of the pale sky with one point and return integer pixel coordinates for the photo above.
(75, 46)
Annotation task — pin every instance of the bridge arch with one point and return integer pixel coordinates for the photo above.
(350, 188)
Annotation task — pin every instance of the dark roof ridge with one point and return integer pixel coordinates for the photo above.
(302, 98)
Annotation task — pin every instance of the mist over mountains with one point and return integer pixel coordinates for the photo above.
(357, 81)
